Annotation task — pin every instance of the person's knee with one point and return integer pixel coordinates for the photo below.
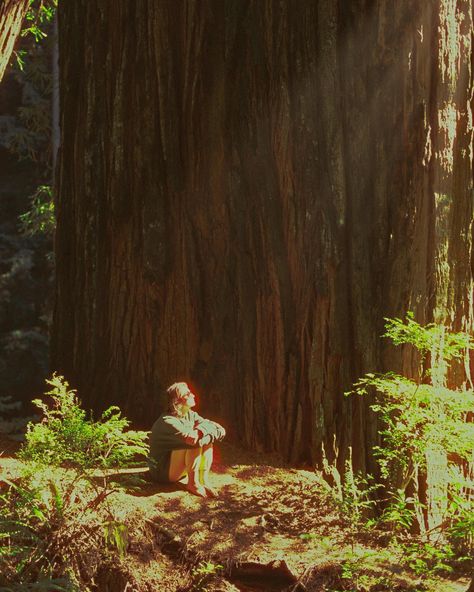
(194, 452)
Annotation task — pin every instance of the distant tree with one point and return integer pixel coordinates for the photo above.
(12, 13)
(246, 189)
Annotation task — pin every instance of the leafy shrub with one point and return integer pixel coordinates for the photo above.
(423, 418)
(425, 558)
(400, 513)
(53, 529)
(56, 524)
(66, 436)
(358, 496)
(354, 494)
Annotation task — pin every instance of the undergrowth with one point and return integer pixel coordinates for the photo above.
(56, 522)
(66, 437)
(423, 424)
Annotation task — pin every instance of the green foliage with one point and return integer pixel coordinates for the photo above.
(400, 514)
(203, 573)
(56, 523)
(359, 571)
(40, 218)
(358, 496)
(49, 522)
(460, 509)
(425, 558)
(353, 571)
(418, 418)
(423, 419)
(428, 338)
(116, 535)
(308, 536)
(20, 57)
(66, 436)
(354, 494)
(40, 12)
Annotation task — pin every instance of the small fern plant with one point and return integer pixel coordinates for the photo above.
(66, 437)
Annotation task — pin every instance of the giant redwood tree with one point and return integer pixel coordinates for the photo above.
(246, 188)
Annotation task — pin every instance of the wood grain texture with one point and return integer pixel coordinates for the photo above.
(12, 13)
(246, 189)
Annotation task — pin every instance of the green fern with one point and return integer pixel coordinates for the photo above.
(65, 436)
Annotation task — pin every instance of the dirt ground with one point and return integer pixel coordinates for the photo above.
(272, 528)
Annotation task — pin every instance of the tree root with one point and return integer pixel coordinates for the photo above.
(274, 576)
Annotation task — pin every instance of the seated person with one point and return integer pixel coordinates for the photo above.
(181, 443)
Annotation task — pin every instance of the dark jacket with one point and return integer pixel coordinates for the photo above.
(176, 433)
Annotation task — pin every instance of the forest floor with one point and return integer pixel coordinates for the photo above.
(272, 528)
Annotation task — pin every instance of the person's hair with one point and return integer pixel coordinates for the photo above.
(175, 397)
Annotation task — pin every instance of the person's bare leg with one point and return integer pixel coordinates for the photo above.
(207, 457)
(177, 465)
(196, 463)
(194, 460)
(187, 462)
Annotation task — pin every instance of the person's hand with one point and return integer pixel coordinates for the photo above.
(217, 431)
(220, 432)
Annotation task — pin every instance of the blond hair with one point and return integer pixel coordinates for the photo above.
(175, 397)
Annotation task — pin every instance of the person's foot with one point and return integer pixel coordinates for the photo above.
(198, 490)
(211, 491)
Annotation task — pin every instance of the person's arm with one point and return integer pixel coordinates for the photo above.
(209, 427)
(183, 431)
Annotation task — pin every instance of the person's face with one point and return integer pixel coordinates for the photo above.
(187, 398)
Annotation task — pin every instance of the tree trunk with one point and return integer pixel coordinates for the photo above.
(12, 13)
(246, 189)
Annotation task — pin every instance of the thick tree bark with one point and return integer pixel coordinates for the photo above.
(11, 18)
(246, 189)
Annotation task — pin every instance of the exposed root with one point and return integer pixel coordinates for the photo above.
(245, 575)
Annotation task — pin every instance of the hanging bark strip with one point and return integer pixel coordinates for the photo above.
(246, 189)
